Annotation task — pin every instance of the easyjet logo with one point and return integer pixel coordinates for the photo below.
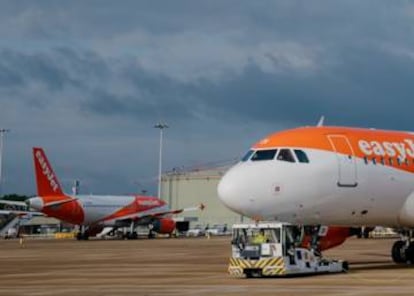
(391, 149)
(46, 171)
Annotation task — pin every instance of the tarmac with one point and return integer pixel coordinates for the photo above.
(184, 266)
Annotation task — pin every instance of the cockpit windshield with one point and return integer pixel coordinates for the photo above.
(285, 155)
(246, 157)
(301, 155)
(264, 155)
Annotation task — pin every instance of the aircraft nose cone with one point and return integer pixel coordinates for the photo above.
(228, 192)
(35, 203)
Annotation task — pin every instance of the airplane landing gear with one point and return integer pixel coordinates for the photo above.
(150, 231)
(83, 233)
(403, 250)
(131, 235)
(403, 253)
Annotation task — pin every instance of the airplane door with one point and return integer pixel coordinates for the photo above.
(347, 174)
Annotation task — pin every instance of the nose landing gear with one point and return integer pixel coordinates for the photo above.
(403, 250)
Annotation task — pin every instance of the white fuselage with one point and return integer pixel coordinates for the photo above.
(308, 193)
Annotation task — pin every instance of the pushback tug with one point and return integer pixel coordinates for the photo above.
(274, 249)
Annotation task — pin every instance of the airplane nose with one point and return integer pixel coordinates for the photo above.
(35, 203)
(228, 192)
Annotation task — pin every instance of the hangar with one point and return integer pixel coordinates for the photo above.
(182, 188)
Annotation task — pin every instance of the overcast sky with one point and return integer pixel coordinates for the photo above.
(87, 80)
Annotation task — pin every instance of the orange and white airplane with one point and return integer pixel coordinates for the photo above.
(94, 212)
(329, 176)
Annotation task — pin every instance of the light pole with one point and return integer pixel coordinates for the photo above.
(160, 126)
(2, 132)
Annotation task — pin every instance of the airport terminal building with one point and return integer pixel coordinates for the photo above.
(186, 188)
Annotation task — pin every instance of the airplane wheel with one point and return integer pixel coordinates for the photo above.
(359, 232)
(409, 254)
(130, 235)
(82, 236)
(398, 252)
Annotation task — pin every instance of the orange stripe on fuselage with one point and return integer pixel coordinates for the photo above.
(364, 142)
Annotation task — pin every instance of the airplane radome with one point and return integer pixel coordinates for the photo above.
(329, 176)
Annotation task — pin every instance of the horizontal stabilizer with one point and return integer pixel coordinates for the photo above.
(13, 203)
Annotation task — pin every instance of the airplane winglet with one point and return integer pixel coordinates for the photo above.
(321, 121)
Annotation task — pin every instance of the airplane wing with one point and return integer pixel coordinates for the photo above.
(17, 212)
(174, 212)
(152, 213)
(20, 213)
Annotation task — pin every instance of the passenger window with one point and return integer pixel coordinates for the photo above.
(301, 155)
(390, 159)
(374, 161)
(382, 161)
(398, 161)
(366, 160)
(285, 155)
(264, 155)
(247, 156)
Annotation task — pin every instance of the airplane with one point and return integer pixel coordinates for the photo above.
(94, 212)
(341, 177)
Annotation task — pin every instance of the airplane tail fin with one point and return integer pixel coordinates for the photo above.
(46, 180)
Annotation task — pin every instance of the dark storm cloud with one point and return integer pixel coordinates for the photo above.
(54, 69)
(366, 87)
(89, 79)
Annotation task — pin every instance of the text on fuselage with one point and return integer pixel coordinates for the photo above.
(391, 149)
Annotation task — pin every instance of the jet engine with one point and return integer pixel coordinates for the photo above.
(163, 226)
(332, 237)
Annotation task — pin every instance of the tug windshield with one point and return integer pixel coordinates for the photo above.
(251, 236)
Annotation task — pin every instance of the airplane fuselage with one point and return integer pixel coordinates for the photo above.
(326, 175)
(99, 209)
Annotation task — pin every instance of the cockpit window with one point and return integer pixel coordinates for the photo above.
(264, 155)
(247, 156)
(301, 156)
(285, 155)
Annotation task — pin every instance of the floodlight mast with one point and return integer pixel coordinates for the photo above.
(3, 131)
(161, 127)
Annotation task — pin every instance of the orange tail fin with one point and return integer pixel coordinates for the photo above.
(46, 180)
